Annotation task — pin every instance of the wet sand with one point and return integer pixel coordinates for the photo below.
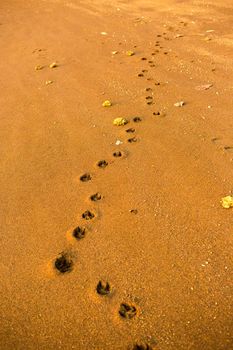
(147, 262)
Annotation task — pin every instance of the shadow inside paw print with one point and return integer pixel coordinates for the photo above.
(103, 288)
(63, 263)
(127, 311)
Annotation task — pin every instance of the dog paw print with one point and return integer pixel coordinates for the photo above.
(63, 263)
(102, 164)
(130, 130)
(133, 211)
(228, 148)
(103, 288)
(127, 311)
(159, 114)
(85, 177)
(117, 154)
(137, 119)
(142, 347)
(95, 197)
(79, 232)
(132, 140)
(88, 215)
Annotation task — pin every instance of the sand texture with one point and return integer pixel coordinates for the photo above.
(116, 149)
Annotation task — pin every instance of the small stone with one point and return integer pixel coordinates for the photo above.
(179, 104)
(227, 202)
(114, 52)
(106, 103)
(48, 82)
(120, 121)
(53, 65)
(118, 142)
(130, 53)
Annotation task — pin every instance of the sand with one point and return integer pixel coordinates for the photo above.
(146, 262)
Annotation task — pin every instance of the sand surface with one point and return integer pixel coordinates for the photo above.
(159, 235)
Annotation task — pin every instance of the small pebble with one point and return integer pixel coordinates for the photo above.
(53, 65)
(106, 103)
(179, 104)
(120, 121)
(130, 53)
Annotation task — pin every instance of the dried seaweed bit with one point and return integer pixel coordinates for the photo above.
(120, 121)
(179, 104)
(106, 103)
(53, 65)
(103, 288)
(130, 53)
(227, 202)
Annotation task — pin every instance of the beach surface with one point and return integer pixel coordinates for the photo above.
(114, 236)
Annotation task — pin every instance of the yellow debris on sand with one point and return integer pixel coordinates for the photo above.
(53, 65)
(38, 67)
(120, 121)
(227, 202)
(130, 53)
(106, 103)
